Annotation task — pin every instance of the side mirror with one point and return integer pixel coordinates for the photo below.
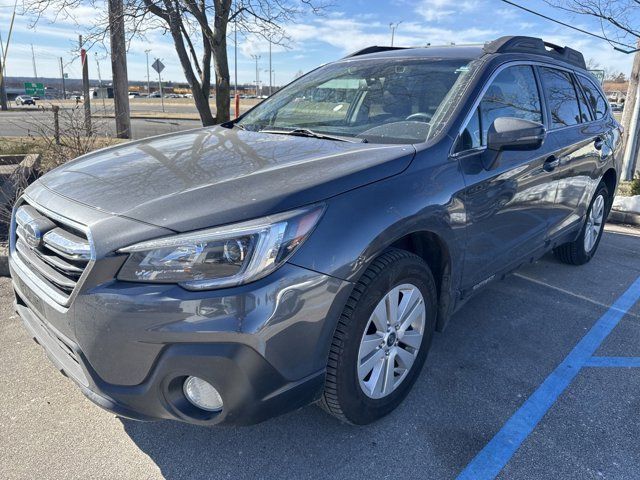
(509, 133)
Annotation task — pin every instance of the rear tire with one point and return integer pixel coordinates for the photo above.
(585, 246)
(378, 349)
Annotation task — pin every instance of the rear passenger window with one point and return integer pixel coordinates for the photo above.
(594, 97)
(561, 97)
(513, 93)
(584, 109)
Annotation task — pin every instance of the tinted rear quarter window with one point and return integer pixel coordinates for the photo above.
(594, 97)
(561, 97)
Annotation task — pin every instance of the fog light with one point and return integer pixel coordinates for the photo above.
(202, 394)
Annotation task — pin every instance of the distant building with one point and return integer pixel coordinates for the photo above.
(101, 92)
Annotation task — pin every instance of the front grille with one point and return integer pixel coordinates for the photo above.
(55, 252)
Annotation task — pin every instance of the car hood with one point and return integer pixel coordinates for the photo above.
(216, 175)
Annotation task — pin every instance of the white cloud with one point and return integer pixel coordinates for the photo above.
(438, 10)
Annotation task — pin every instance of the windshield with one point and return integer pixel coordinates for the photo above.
(380, 100)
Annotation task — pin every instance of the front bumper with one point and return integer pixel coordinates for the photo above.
(263, 346)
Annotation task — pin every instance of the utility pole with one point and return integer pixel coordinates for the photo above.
(85, 88)
(64, 89)
(33, 59)
(393, 27)
(4, 105)
(3, 90)
(119, 69)
(631, 121)
(148, 81)
(256, 58)
(235, 54)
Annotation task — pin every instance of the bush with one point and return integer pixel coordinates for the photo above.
(635, 186)
(73, 141)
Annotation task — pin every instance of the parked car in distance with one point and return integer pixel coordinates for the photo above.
(134, 94)
(155, 95)
(25, 100)
(308, 251)
(616, 107)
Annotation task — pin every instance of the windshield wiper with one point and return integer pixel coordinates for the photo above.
(305, 132)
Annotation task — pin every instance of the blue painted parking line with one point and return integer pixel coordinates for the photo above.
(488, 463)
(613, 362)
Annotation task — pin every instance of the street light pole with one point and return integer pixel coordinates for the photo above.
(33, 59)
(394, 27)
(270, 70)
(104, 105)
(64, 88)
(256, 58)
(148, 81)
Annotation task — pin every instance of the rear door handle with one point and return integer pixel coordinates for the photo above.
(551, 163)
(598, 143)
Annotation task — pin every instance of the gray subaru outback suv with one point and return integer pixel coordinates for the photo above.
(308, 251)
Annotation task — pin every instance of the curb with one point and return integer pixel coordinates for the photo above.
(142, 117)
(628, 218)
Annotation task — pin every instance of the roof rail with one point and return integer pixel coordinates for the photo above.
(521, 44)
(373, 49)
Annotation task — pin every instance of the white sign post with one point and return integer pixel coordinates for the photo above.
(158, 66)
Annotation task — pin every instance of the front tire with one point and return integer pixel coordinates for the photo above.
(382, 339)
(585, 246)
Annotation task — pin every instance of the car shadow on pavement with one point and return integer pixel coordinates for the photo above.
(302, 444)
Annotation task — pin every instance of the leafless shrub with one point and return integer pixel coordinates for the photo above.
(72, 140)
(10, 191)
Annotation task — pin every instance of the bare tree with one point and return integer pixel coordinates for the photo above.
(197, 26)
(618, 18)
(620, 25)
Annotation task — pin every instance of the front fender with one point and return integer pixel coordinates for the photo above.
(358, 225)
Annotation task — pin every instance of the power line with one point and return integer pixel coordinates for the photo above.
(572, 27)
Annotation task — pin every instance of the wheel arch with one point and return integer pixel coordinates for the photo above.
(610, 179)
(434, 251)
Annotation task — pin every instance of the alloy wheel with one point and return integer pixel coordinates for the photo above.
(391, 341)
(594, 223)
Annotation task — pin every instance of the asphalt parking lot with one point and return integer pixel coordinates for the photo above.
(536, 377)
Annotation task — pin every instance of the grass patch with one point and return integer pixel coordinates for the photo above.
(20, 145)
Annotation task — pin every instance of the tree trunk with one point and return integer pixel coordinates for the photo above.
(627, 119)
(219, 47)
(222, 84)
(631, 95)
(119, 69)
(199, 98)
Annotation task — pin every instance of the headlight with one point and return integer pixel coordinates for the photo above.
(223, 256)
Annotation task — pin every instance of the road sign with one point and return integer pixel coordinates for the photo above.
(158, 66)
(31, 88)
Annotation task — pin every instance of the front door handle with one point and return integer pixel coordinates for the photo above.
(598, 143)
(551, 163)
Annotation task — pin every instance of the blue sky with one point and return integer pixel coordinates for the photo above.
(347, 26)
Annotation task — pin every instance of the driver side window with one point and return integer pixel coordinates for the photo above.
(513, 93)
